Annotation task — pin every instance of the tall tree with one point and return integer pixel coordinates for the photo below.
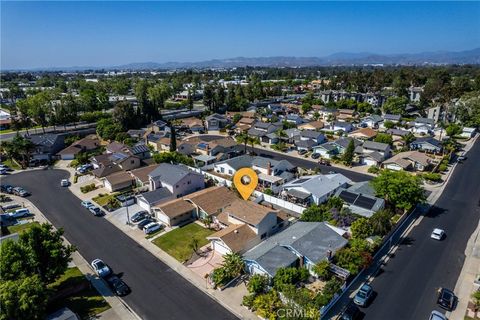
(173, 139)
(349, 153)
(124, 114)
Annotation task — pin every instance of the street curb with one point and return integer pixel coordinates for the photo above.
(88, 277)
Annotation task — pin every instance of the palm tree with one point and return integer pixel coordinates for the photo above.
(243, 138)
(194, 244)
(233, 264)
(253, 141)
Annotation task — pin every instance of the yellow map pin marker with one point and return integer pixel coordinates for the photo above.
(245, 181)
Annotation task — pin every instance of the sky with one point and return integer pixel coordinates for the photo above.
(63, 34)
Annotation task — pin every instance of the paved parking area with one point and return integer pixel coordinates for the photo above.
(120, 215)
(205, 265)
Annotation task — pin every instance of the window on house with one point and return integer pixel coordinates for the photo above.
(222, 170)
(263, 236)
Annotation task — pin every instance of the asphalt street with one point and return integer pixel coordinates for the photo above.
(406, 287)
(303, 163)
(158, 292)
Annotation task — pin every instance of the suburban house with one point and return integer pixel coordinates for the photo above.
(423, 125)
(271, 173)
(346, 114)
(118, 181)
(47, 145)
(294, 118)
(395, 118)
(140, 175)
(210, 202)
(136, 133)
(264, 131)
(216, 121)
(341, 126)
(244, 124)
(372, 121)
(313, 189)
(372, 153)
(398, 135)
(245, 224)
(363, 134)
(225, 145)
(326, 114)
(301, 244)
(409, 160)
(174, 212)
(342, 144)
(193, 124)
(313, 125)
(88, 143)
(178, 179)
(427, 144)
(150, 199)
(327, 150)
(362, 204)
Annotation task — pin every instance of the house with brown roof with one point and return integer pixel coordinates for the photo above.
(236, 238)
(261, 220)
(140, 175)
(88, 143)
(118, 181)
(211, 201)
(313, 125)
(346, 114)
(410, 160)
(174, 212)
(363, 134)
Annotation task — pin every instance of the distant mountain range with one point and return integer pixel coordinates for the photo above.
(337, 59)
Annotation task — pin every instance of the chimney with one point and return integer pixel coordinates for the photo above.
(269, 168)
(236, 231)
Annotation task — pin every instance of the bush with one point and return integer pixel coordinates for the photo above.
(322, 269)
(88, 188)
(257, 284)
(289, 276)
(374, 170)
(268, 191)
(442, 167)
(436, 177)
(247, 300)
(361, 228)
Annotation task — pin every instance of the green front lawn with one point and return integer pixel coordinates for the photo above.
(176, 242)
(103, 199)
(85, 303)
(20, 228)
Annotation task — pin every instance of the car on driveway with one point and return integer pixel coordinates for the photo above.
(315, 155)
(64, 183)
(435, 315)
(96, 211)
(437, 234)
(363, 296)
(118, 286)
(446, 299)
(152, 227)
(20, 213)
(302, 152)
(86, 204)
(139, 216)
(144, 222)
(101, 268)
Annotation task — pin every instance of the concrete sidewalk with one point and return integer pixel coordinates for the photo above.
(230, 298)
(119, 309)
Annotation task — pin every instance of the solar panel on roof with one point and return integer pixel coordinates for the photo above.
(348, 196)
(299, 181)
(364, 202)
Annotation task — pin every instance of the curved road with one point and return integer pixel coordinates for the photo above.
(158, 292)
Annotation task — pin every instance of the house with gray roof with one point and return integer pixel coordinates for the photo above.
(342, 126)
(150, 199)
(326, 150)
(392, 117)
(362, 204)
(372, 121)
(314, 189)
(423, 125)
(216, 121)
(427, 144)
(303, 243)
(372, 153)
(178, 179)
(46, 145)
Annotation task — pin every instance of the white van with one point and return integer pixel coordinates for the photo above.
(152, 227)
(19, 213)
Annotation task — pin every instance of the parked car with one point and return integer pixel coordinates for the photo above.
(101, 268)
(86, 204)
(118, 286)
(435, 315)
(139, 216)
(6, 188)
(152, 227)
(315, 155)
(363, 296)
(437, 234)
(302, 152)
(446, 299)
(19, 213)
(3, 171)
(144, 222)
(352, 312)
(19, 191)
(324, 162)
(64, 183)
(96, 211)
(460, 159)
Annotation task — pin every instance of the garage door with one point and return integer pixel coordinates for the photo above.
(220, 248)
(369, 162)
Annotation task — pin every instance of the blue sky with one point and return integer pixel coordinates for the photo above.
(46, 34)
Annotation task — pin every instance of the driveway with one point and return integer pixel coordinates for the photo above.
(158, 292)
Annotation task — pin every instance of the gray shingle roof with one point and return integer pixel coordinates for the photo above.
(155, 196)
(425, 120)
(343, 142)
(310, 239)
(311, 134)
(318, 185)
(170, 173)
(392, 117)
(372, 145)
